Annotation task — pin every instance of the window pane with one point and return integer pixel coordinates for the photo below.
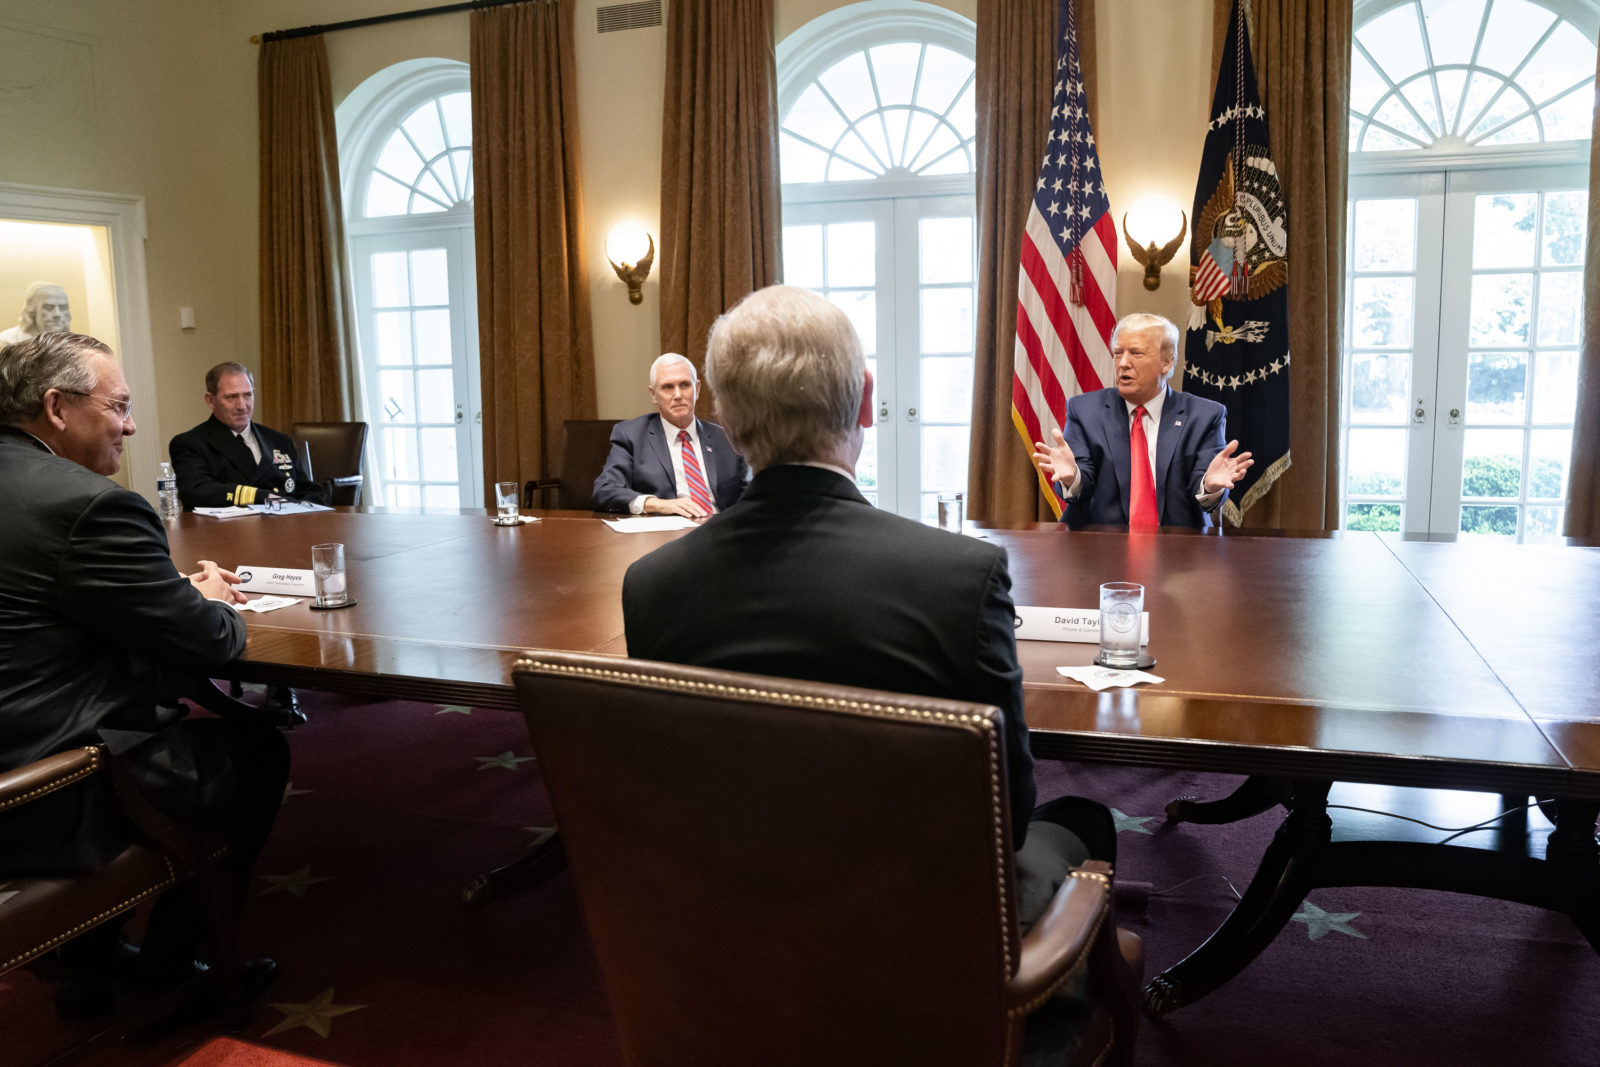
(457, 108)
(433, 336)
(430, 277)
(862, 310)
(397, 402)
(389, 287)
(1571, 118)
(1514, 27)
(438, 451)
(1564, 60)
(1394, 40)
(1497, 386)
(1502, 230)
(1500, 308)
(403, 496)
(1491, 465)
(1560, 307)
(399, 159)
(814, 117)
(1382, 313)
(947, 389)
(400, 449)
(441, 496)
(867, 465)
(386, 197)
(1479, 520)
(423, 126)
(1541, 524)
(947, 320)
(1377, 463)
(394, 338)
(944, 458)
(945, 250)
(1564, 221)
(1386, 235)
(1555, 387)
(437, 391)
(800, 162)
(851, 253)
(1379, 386)
(944, 74)
(1452, 29)
(1382, 517)
(802, 256)
(1548, 454)
(848, 82)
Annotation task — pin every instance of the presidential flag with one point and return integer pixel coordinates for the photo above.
(1066, 288)
(1237, 348)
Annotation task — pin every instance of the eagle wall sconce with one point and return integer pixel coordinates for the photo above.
(1152, 258)
(631, 251)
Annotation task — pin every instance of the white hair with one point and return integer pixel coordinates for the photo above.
(669, 358)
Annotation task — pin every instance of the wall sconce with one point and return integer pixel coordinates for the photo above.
(631, 251)
(1149, 256)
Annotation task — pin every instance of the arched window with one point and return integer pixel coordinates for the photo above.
(878, 119)
(406, 154)
(1468, 201)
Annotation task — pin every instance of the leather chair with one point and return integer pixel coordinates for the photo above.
(39, 914)
(584, 445)
(784, 872)
(333, 452)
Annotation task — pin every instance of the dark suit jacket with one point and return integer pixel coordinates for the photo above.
(95, 625)
(215, 469)
(640, 461)
(802, 578)
(1190, 436)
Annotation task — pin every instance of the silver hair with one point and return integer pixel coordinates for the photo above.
(29, 319)
(31, 368)
(672, 357)
(1140, 321)
(787, 370)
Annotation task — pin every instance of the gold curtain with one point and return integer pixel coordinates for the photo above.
(1301, 50)
(1015, 80)
(719, 166)
(535, 345)
(308, 369)
(1583, 493)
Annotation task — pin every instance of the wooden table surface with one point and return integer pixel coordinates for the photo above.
(1355, 657)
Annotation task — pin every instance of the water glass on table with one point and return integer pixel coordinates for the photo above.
(327, 568)
(952, 511)
(1121, 611)
(505, 498)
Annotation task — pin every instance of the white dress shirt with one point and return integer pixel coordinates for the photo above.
(636, 505)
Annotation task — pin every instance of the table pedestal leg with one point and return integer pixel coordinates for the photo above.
(1575, 856)
(1280, 883)
(1255, 795)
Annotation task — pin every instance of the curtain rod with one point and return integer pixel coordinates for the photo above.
(375, 20)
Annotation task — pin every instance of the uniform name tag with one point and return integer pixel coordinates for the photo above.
(1068, 624)
(283, 580)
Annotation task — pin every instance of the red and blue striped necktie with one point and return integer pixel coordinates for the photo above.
(692, 475)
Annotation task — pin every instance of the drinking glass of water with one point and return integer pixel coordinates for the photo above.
(505, 498)
(1121, 611)
(327, 568)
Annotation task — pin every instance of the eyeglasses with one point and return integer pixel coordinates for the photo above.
(123, 408)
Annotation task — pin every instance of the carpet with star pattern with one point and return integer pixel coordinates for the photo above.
(395, 806)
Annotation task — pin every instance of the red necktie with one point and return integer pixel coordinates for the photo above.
(1142, 513)
(691, 473)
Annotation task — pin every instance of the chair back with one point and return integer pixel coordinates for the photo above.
(584, 446)
(333, 453)
(781, 872)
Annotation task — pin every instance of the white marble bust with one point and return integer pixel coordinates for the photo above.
(44, 309)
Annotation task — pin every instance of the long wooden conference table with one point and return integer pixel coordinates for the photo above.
(1299, 662)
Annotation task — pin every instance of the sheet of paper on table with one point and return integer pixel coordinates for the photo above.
(226, 513)
(1098, 678)
(268, 603)
(651, 524)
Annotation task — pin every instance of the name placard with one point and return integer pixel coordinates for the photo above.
(1068, 624)
(281, 580)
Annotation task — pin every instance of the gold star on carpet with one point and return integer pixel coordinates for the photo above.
(453, 709)
(290, 791)
(295, 883)
(1319, 922)
(505, 761)
(1129, 823)
(315, 1015)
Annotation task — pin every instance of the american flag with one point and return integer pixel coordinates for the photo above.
(1066, 288)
